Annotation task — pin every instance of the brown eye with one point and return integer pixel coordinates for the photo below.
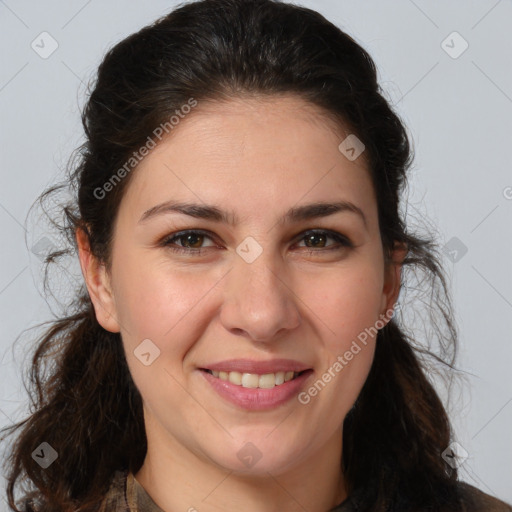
(193, 240)
(318, 239)
(187, 241)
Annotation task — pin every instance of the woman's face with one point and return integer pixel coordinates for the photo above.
(267, 282)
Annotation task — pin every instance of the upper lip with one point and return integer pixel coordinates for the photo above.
(259, 367)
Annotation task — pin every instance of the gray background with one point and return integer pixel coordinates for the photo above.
(459, 114)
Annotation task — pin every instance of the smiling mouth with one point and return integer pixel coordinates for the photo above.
(254, 380)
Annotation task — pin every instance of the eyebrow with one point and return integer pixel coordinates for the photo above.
(214, 213)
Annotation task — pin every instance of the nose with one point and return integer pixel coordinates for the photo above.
(259, 303)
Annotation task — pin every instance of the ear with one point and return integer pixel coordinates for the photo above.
(97, 280)
(392, 279)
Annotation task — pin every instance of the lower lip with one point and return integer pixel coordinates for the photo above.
(256, 399)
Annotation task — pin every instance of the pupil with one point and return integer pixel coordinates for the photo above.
(312, 237)
(190, 239)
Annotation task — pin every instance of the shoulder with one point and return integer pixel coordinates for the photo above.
(474, 500)
(115, 499)
(461, 498)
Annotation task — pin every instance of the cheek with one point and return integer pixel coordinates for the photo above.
(346, 303)
(346, 299)
(171, 308)
(347, 308)
(161, 303)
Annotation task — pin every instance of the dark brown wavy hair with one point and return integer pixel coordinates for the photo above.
(83, 400)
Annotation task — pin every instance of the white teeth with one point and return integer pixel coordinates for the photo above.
(250, 380)
(254, 380)
(267, 381)
(235, 378)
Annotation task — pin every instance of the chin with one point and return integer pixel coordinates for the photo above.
(257, 459)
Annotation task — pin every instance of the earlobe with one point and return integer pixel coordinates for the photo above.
(98, 285)
(393, 275)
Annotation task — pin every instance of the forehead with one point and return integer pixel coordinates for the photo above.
(256, 156)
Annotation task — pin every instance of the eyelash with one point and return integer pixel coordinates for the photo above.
(342, 240)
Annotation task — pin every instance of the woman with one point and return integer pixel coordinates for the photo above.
(237, 225)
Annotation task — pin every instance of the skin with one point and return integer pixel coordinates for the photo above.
(257, 158)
